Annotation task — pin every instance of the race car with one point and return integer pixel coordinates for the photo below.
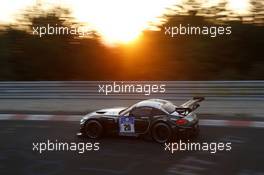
(158, 118)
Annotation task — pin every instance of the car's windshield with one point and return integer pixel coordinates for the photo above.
(169, 107)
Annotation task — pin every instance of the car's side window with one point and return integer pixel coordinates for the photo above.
(157, 112)
(141, 112)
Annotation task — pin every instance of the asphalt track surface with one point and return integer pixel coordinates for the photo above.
(121, 155)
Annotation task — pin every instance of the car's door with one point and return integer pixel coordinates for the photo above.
(110, 123)
(142, 118)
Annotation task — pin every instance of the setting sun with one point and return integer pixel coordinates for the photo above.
(120, 21)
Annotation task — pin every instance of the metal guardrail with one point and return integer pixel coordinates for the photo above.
(175, 90)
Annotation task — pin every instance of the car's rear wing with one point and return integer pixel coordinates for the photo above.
(189, 106)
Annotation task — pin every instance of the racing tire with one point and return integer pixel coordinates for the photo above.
(161, 132)
(93, 129)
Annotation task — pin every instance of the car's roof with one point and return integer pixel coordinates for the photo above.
(155, 103)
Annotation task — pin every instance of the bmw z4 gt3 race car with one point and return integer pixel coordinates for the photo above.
(160, 119)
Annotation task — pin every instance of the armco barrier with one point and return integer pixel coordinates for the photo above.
(176, 90)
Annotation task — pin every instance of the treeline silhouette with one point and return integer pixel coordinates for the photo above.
(155, 56)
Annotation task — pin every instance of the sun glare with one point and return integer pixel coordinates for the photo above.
(9, 9)
(239, 6)
(117, 21)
